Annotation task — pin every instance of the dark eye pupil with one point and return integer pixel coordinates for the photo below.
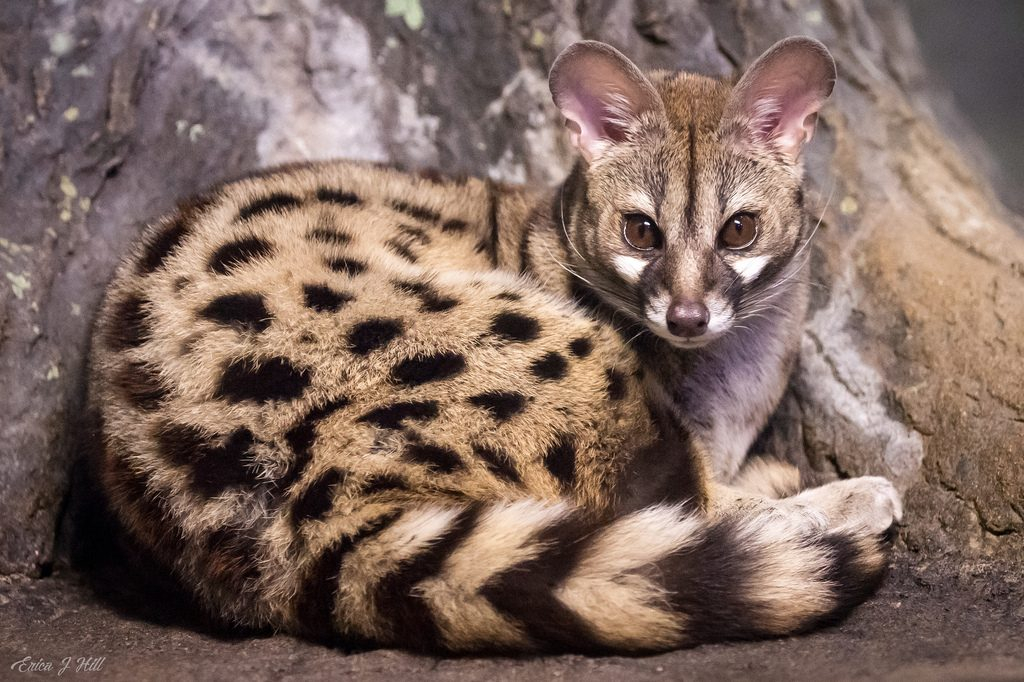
(739, 232)
(640, 232)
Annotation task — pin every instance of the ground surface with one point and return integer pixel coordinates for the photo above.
(921, 626)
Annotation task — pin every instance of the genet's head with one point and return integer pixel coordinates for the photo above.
(690, 207)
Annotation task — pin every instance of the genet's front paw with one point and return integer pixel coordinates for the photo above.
(868, 504)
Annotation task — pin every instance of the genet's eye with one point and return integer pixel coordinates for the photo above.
(739, 232)
(641, 232)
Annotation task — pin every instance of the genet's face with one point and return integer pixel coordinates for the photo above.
(687, 234)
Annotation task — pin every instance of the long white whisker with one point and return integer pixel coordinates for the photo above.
(821, 217)
(565, 229)
(637, 336)
(566, 267)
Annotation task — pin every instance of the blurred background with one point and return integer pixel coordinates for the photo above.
(976, 51)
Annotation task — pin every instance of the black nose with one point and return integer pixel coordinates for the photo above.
(687, 318)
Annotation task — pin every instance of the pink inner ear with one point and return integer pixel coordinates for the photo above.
(601, 93)
(777, 101)
(593, 120)
(784, 113)
(593, 113)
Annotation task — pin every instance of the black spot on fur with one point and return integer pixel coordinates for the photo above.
(560, 460)
(552, 366)
(581, 347)
(481, 246)
(246, 312)
(336, 196)
(430, 300)
(141, 385)
(315, 501)
(300, 438)
(317, 597)
(129, 324)
(525, 260)
(264, 381)
(433, 456)
(417, 212)
(378, 483)
(373, 334)
(493, 190)
(515, 327)
(437, 304)
(415, 234)
(499, 463)
(524, 592)
(162, 245)
(324, 299)
(346, 266)
(454, 225)
(509, 296)
(413, 288)
(276, 202)
(392, 416)
(401, 249)
(616, 384)
(501, 404)
(238, 253)
(213, 468)
(395, 594)
(329, 236)
(425, 368)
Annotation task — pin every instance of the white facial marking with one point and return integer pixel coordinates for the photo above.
(655, 310)
(720, 315)
(629, 267)
(749, 268)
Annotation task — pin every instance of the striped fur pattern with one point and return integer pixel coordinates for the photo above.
(367, 406)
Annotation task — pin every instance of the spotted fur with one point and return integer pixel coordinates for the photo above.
(361, 405)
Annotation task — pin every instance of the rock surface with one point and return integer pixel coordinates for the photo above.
(911, 365)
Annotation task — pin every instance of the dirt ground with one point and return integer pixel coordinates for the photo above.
(922, 625)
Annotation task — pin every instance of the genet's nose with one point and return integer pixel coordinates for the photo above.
(687, 318)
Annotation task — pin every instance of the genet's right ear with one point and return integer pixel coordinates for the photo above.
(775, 105)
(601, 94)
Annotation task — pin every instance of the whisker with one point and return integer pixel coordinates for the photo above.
(636, 336)
(821, 217)
(565, 267)
(565, 230)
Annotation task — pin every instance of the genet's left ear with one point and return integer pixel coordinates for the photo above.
(775, 105)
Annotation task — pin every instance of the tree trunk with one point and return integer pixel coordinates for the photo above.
(110, 110)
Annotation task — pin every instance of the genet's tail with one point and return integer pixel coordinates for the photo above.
(532, 576)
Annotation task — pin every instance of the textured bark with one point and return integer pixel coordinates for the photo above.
(110, 110)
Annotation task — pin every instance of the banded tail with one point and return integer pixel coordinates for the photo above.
(530, 576)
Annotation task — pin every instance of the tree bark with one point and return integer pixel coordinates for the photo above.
(110, 110)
